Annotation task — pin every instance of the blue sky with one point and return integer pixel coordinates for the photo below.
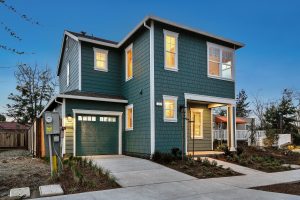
(270, 29)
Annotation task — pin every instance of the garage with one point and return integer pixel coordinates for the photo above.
(97, 134)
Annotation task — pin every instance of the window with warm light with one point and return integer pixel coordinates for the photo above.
(129, 117)
(171, 50)
(220, 61)
(129, 69)
(170, 108)
(100, 59)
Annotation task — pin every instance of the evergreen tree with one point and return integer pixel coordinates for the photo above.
(2, 118)
(242, 106)
(35, 88)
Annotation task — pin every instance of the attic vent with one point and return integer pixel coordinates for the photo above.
(83, 32)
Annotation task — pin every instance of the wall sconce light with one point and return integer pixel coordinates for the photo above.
(69, 118)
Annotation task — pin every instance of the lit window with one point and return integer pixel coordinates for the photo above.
(129, 117)
(93, 118)
(100, 59)
(79, 118)
(170, 108)
(197, 123)
(220, 61)
(129, 69)
(68, 73)
(84, 118)
(171, 48)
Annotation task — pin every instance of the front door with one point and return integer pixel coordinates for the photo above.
(196, 123)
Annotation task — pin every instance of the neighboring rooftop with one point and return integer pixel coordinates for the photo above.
(12, 126)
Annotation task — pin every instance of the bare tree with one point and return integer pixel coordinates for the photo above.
(259, 108)
(35, 87)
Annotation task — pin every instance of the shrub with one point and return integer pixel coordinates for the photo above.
(176, 152)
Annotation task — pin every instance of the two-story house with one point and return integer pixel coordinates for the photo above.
(152, 91)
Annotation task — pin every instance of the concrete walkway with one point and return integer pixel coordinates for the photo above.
(143, 179)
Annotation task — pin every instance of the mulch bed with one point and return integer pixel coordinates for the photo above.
(200, 168)
(265, 159)
(286, 188)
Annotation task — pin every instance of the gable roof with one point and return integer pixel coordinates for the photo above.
(101, 41)
(13, 126)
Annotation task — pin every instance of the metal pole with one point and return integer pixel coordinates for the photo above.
(182, 143)
(50, 154)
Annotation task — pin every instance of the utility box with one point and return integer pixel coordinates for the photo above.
(52, 125)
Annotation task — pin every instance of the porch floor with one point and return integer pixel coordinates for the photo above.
(205, 153)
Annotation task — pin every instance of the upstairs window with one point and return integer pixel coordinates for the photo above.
(220, 61)
(68, 73)
(171, 50)
(129, 71)
(170, 108)
(129, 118)
(100, 59)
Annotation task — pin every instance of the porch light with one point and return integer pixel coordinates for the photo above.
(69, 118)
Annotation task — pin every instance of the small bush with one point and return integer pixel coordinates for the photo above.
(176, 152)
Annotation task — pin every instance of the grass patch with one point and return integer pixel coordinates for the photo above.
(82, 175)
(199, 168)
(264, 159)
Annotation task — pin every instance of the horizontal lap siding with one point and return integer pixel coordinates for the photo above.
(190, 78)
(99, 81)
(71, 55)
(86, 105)
(137, 92)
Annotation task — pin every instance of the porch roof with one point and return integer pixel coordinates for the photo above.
(223, 119)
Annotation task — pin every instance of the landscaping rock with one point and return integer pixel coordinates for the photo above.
(50, 190)
(292, 166)
(20, 192)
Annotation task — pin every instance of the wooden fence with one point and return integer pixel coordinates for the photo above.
(36, 138)
(13, 139)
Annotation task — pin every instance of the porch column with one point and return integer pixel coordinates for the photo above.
(231, 127)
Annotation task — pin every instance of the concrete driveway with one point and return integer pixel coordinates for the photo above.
(130, 171)
(143, 179)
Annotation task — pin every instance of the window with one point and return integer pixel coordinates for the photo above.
(170, 108)
(107, 119)
(129, 69)
(197, 123)
(68, 73)
(171, 50)
(100, 59)
(129, 117)
(220, 61)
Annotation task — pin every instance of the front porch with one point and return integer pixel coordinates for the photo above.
(199, 132)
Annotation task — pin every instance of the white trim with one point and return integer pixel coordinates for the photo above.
(186, 128)
(98, 112)
(97, 50)
(204, 98)
(126, 115)
(152, 90)
(130, 47)
(201, 111)
(63, 115)
(172, 34)
(92, 98)
(174, 98)
(212, 129)
(79, 66)
(71, 36)
(47, 105)
(221, 48)
(68, 74)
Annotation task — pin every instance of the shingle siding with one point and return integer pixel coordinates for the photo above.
(99, 81)
(137, 92)
(190, 78)
(71, 55)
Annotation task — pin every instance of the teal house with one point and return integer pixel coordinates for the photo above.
(152, 91)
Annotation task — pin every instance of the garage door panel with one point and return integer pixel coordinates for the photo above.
(96, 134)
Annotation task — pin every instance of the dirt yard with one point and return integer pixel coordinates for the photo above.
(287, 188)
(19, 169)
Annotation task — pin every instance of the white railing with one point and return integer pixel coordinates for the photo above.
(240, 134)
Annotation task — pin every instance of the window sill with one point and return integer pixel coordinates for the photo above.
(171, 69)
(197, 138)
(101, 70)
(128, 79)
(220, 78)
(128, 129)
(170, 120)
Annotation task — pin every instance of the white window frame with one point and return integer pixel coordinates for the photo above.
(221, 48)
(126, 117)
(130, 47)
(174, 98)
(96, 50)
(68, 73)
(201, 130)
(173, 34)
